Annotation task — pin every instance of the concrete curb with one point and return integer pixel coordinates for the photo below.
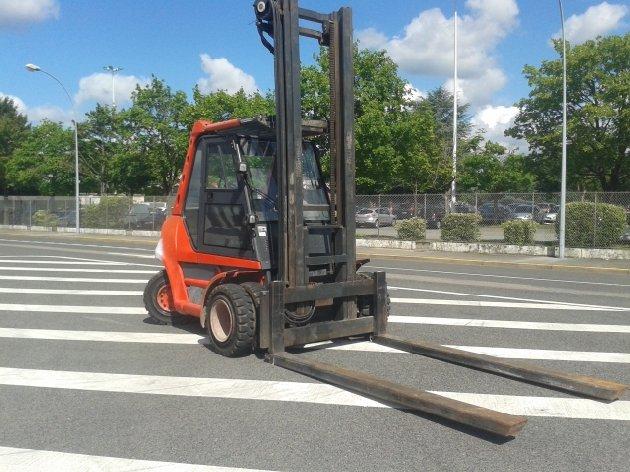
(386, 243)
(119, 232)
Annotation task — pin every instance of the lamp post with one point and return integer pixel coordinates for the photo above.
(563, 179)
(113, 70)
(454, 176)
(35, 68)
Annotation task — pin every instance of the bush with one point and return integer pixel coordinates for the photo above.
(108, 213)
(461, 227)
(593, 224)
(519, 232)
(413, 229)
(45, 218)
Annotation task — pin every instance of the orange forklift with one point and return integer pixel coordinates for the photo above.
(262, 250)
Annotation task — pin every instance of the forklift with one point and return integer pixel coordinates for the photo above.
(262, 250)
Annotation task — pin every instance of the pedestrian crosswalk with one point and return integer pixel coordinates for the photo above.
(78, 289)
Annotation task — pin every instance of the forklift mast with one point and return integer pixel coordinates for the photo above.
(278, 23)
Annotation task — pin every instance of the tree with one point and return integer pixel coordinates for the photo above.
(13, 129)
(598, 99)
(43, 164)
(158, 118)
(489, 169)
(216, 106)
(102, 140)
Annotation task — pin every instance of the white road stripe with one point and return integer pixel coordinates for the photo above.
(91, 271)
(19, 278)
(47, 291)
(475, 323)
(143, 256)
(497, 276)
(31, 460)
(536, 306)
(507, 353)
(75, 244)
(356, 346)
(117, 310)
(301, 392)
(529, 300)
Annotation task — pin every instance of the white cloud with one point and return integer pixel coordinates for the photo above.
(478, 90)
(370, 38)
(595, 21)
(98, 87)
(37, 114)
(494, 120)
(223, 75)
(20, 12)
(17, 101)
(412, 94)
(426, 46)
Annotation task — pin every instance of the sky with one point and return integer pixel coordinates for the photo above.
(214, 44)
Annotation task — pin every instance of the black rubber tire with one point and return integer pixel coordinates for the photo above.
(149, 297)
(240, 339)
(255, 291)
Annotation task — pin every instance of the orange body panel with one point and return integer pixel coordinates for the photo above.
(177, 246)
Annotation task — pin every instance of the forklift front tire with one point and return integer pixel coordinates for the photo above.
(230, 320)
(158, 300)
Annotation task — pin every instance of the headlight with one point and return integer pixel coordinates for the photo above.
(159, 251)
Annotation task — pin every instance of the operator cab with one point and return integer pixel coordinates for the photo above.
(231, 208)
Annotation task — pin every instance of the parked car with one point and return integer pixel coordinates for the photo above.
(625, 237)
(527, 212)
(551, 216)
(494, 213)
(375, 217)
(436, 213)
(67, 218)
(142, 216)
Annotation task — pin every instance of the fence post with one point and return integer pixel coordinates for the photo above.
(476, 202)
(378, 209)
(595, 222)
(30, 213)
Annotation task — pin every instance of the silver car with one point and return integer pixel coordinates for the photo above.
(375, 217)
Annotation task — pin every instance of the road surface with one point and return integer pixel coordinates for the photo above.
(86, 378)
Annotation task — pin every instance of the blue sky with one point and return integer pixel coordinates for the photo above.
(214, 43)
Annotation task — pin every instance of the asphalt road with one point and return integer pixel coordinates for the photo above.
(86, 380)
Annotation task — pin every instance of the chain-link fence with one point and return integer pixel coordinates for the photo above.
(595, 223)
(121, 213)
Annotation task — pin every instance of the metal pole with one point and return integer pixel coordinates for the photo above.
(35, 68)
(77, 204)
(563, 184)
(453, 182)
(113, 70)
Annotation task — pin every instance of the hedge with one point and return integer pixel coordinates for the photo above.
(519, 232)
(108, 213)
(45, 218)
(593, 224)
(461, 227)
(413, 229)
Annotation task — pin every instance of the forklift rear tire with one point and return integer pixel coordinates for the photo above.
(230, 320)
(158, 300)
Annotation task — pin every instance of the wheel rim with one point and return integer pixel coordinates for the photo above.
(221, 319)
(164, 298)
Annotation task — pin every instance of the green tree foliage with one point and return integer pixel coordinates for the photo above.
(488, 168)
(102, 137)
(43, 164)
(216, 106)
(397, 147)
(13, 129)
(158, 119)
(598, 83)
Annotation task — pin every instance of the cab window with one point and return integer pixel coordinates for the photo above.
(220, 168)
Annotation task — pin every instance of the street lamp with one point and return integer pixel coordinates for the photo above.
(563, 184)
(454, 176)
(36, 68)
(113, 70)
